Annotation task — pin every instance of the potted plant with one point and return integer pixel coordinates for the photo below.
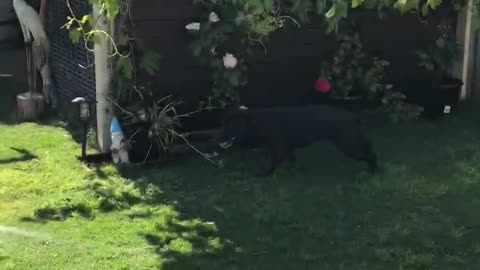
(437, 91)
(152, 126)
(356, 79)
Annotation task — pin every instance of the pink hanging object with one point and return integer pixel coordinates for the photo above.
(322, 85)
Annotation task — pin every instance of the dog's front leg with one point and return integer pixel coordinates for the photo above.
(277, 153)
(274, 162)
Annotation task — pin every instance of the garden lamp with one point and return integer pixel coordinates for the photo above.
(84, 114)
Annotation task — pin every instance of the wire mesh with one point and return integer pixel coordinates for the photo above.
(72, 64)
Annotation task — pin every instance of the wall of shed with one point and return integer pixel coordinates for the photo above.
(284, 75)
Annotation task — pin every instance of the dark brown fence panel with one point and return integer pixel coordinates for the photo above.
(287, 72)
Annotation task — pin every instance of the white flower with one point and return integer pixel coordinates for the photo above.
(194, 26)
(229, 61)
(213, 17)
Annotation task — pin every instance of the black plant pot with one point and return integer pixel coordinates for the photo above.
(437, 97)
(142, 147)
(355, 103)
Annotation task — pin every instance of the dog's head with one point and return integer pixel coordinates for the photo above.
(235, 128)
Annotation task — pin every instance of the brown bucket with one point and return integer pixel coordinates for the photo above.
(30, 106)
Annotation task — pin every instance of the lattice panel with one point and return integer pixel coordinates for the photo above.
(72, 65)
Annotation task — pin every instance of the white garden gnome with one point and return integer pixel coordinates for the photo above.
(119, 146)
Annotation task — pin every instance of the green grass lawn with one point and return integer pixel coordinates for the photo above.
(421, 212)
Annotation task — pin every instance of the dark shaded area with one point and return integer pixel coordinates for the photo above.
(4, 257)
(96, 160)
(140, 214)
(25, 156)
(432, 96)
(315, 219)
(63, 212)
(33, 220)
(9, 90)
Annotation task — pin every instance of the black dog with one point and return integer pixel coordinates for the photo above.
(282, 129)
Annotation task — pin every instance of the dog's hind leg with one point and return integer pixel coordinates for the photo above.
(278, 151)
(358, 148)
(371, 156)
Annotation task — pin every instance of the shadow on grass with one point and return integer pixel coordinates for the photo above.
(190, 245)
(42, 215)
(111, 195)
(25, 156)
(414, 215)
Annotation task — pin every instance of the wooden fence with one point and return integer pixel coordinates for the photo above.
(285, 75)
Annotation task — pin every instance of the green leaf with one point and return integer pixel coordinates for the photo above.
(257, 4)
(112, 8)
(320, 6)
(356, 3)
(268, 4)
(75, 36)
(234, 79)
(406, 5)
(264, 27)
(124, 65)
(433, 3)
(331, 12)
(400, 4)
(85, 19)
(425, 10)
(150, 62)
(341, 9)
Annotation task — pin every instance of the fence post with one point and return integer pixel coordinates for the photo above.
(464, 66)
(102, 82)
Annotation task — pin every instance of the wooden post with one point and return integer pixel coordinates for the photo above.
(463, 69)
(102, 82)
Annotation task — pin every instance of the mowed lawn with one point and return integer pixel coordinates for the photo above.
(421, 212)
